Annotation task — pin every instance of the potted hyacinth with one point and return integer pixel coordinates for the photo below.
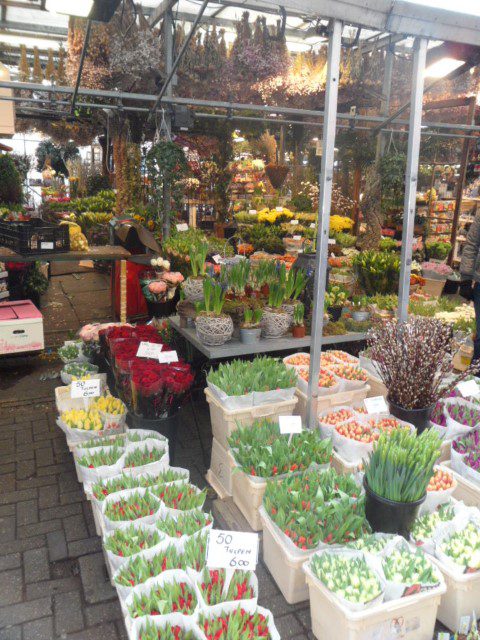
(298, 329)
(213, 327)
(295, 282)
(251, 329)
(193, 285)
(275, 321)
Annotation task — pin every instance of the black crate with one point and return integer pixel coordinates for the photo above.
(34, 236)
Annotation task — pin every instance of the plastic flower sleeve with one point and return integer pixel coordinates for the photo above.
(117, 498)
(139, 626)
(457, 543)
(134, 531)
(217, 578)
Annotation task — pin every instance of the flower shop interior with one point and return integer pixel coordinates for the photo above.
(239, 277)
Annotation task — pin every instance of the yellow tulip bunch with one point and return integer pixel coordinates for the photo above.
(80, 419)
(111, 405)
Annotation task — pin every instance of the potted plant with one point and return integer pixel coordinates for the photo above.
(213, 327)
(298, 329)
(275, 321)
(335, 299)
(295, 282)
(360, 309)
(193, 285)
(377, 271)
(251, 329)
(414, 359)
(237, 277)
(397, 475)
(263, 274)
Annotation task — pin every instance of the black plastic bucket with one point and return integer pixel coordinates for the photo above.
(162, 309)
(420, 418)
(388, 516)
(451, 287)
(167, 427)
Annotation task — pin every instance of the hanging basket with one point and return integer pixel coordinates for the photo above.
(214, 330)
(193, 289)
(276, 174)
(275, 323)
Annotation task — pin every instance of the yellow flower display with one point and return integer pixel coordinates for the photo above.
(340, 223)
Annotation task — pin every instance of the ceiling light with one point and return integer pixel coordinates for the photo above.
(442, 67)
(79, 8)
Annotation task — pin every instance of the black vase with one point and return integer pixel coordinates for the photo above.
(451, 287)
(389, 516)
(335, 313)
(420, 418)
(162, 309)
(167, 426)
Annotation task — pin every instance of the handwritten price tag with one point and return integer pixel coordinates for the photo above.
(232, 550)
(167, 357)
(85, 388)
(280, 209)
(332, 241)
(183, 226)
(297, 237)
(290, 424)
(217, 258)
(468, 388)
(294, 222)
(149, 350)
(376, 405)
(252, 212)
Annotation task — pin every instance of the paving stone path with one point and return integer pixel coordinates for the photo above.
(54, 579)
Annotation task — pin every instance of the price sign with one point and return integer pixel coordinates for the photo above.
(217, 258)
(468, 388)
(183, 226)
(252, 212)
(46, 246)
(464, 625)
(232, 550)
(85, 388)
(279, 209)
(376, 405)
(149, 350)
(443, 635)
(297, 237)
(167, 356)
(332, 241)
(312, 225)
(290, 424)
(294, 222)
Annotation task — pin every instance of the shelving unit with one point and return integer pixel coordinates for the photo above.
(4, 293)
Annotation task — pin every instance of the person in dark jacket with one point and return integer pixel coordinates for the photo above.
(470, 273)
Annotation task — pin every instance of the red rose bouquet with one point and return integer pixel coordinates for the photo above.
(158, 389)
(147, 333)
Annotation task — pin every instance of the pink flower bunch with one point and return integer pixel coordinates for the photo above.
(157, 287)
(172, 278)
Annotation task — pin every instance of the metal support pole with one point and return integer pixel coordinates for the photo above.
(411, 174)
(385, 104)
(324, 206)
(168, 52)
(80, 66)
(174, 66)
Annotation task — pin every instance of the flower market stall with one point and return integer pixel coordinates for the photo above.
(341, 497)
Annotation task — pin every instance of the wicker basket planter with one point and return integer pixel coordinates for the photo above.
(193, 289)
(214, 330)
(275, 323)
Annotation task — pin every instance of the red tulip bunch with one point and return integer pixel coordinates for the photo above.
(171, 597)
(239, 625)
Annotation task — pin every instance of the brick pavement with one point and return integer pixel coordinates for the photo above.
(54, 579)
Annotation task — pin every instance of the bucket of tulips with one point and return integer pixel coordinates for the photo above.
(408, 571)
(76, 371)
(177, 627)
(462, 417)
(397, 474)
(239, 623)
(181, 526)
(423, 531)
(214, 588)
(457, 543)
(440, 489)
(112, 411)
(139, 505)
(122, 545)
(354, 439)
(328, 383)
(146, 565)
(166, 594)
(147, 457)
(101, 462)
(183, 497)
(351, 376)
(465, 453)
(350, 576)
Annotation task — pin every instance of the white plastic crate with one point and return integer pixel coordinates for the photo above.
(285, 567)
(410, 618)
(248, 495)
(462, 596)
(219, 476)
(224, 422)
(467, 491)
(334, 400)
